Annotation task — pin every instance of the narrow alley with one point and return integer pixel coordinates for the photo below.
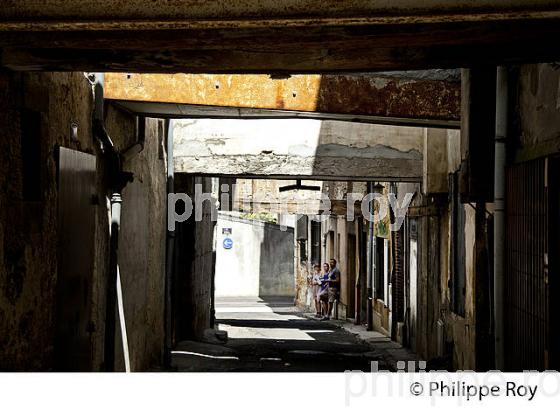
(270, 334)
(298, 186)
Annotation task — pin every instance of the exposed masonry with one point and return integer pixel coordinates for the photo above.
(299, 148)
(283, 165)
(326, 150)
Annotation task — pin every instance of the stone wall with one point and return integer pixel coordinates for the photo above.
(142, 251)
(29, 225)
(194, 263)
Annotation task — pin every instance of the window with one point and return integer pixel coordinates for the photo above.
(301, 232)
(380, 268)
(302, 251)
(301, 228)
(315, 242)
(386, 269)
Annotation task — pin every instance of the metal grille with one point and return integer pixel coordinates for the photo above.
(398, 278)
(526, 293)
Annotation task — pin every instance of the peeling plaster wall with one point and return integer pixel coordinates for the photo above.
(286, 147)
(433, 298)
(303, 295)
(461, 331)
(435, 177)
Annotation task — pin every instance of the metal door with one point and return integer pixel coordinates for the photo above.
(76, 235)
(526, 288)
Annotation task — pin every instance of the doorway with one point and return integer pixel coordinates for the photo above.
(351, 266)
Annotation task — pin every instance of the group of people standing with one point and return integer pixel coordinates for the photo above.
(325, 287)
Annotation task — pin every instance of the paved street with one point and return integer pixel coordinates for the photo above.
(272, 335)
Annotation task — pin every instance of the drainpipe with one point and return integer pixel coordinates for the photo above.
(112, 292)
(117, 179)
(499, 214)
(371, 264)
(170, 253)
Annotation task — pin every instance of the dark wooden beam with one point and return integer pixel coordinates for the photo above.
(254, 12)
(275, 37)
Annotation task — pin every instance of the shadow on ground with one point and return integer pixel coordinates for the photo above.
(270, 334)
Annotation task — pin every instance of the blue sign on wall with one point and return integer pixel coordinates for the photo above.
(228, 243)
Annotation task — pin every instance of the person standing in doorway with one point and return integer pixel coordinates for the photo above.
(333, 287)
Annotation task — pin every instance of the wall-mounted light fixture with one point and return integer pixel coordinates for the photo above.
(74, 131)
